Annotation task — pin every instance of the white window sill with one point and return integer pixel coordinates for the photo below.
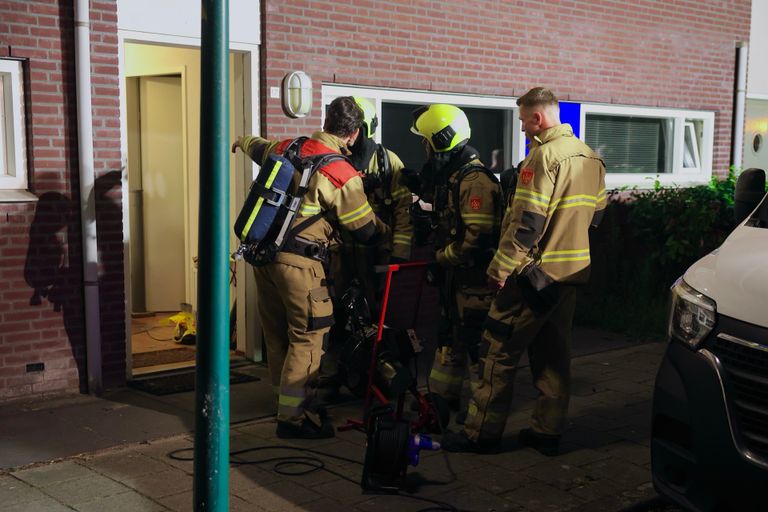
(648, 181)
(17, 196)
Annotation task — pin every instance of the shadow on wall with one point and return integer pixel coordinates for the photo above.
(53, 267)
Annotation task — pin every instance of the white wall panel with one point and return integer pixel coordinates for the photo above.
(181, 18)
(757, 78)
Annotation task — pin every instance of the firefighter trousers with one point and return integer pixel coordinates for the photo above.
(511, 329)
(457, 358)
(296, 314)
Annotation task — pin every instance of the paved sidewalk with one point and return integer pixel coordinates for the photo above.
(604, 465)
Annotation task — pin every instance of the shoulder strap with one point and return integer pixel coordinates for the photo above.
(385, 171)
(307, 167)
(293, 151)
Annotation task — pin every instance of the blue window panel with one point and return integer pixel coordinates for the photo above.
(569, 113)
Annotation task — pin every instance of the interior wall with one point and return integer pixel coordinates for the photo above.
(151, 59)
(757, 78)
(136, 219)
(756, 126)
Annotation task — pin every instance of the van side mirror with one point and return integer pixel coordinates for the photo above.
(750, 189)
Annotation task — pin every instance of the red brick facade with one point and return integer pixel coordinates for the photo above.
(41, 304)
(678, 54)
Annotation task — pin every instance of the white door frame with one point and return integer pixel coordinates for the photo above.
(248, 119)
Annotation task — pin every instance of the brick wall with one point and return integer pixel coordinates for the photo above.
(678, 54)
(41, 306)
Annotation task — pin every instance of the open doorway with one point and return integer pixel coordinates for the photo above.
(162, 93)
(156, 179)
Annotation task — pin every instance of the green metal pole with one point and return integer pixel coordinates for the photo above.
(211, 480)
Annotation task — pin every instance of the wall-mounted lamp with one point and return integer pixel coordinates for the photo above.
(297, 94)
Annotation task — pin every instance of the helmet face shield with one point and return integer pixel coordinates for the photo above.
(370, 120)
(445, 127)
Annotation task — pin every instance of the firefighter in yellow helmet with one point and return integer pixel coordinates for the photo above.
(354, 260)
(543, 255)
(466, 211)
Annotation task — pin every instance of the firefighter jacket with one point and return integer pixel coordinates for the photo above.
(560, 193)
(467, 215)
(390, 201)
(335, 191)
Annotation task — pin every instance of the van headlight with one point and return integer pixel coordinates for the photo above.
(692, 316)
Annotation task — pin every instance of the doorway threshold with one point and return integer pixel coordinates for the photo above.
(236, 360)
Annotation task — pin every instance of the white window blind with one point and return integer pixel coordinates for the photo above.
(629, 144)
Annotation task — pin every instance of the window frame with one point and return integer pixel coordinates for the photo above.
(13, 175)
(514, 154)
(679, 175)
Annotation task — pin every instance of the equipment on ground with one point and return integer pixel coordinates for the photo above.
(376, 363)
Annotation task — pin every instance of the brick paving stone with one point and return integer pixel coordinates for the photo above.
(347, 492)
(14, 491)
(589, 438)
(515, 459)
(125, 463)
(602, 423)
(543, 497)
(557, 474)
(497, 480)
(84, 489)
(47, 474)
(264, 430)
(156, 485)
(44, 504)
(125, 502)
(621, 472)
(472, 498)
(159, 450)
(324, 505)
(283, 493)
(393, 502)
(181, 502)
(237, 504)
(578, 456)
(629, 451)
(593, 488)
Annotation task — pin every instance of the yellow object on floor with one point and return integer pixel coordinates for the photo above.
(186, 328)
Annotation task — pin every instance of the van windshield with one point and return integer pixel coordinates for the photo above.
(759, 219)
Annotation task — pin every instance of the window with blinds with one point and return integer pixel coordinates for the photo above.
(3, 130)
(629, 144)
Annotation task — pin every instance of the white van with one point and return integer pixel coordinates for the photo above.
(709, 441)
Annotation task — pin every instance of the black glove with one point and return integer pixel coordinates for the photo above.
(411, 178)
(435, 274)
(539, 290)
(371, 182)
(362, 152)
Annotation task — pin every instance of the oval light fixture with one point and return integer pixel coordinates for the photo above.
(297, 94)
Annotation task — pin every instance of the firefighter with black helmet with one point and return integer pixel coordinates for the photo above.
(353, 260)
(294, 303)
(465, 198)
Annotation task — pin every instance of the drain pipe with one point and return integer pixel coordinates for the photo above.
(742, 53)
(87, 197)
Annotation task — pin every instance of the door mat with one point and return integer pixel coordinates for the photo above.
(181, 383)
(156, 357)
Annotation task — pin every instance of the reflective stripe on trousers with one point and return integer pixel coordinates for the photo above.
(547, 339)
